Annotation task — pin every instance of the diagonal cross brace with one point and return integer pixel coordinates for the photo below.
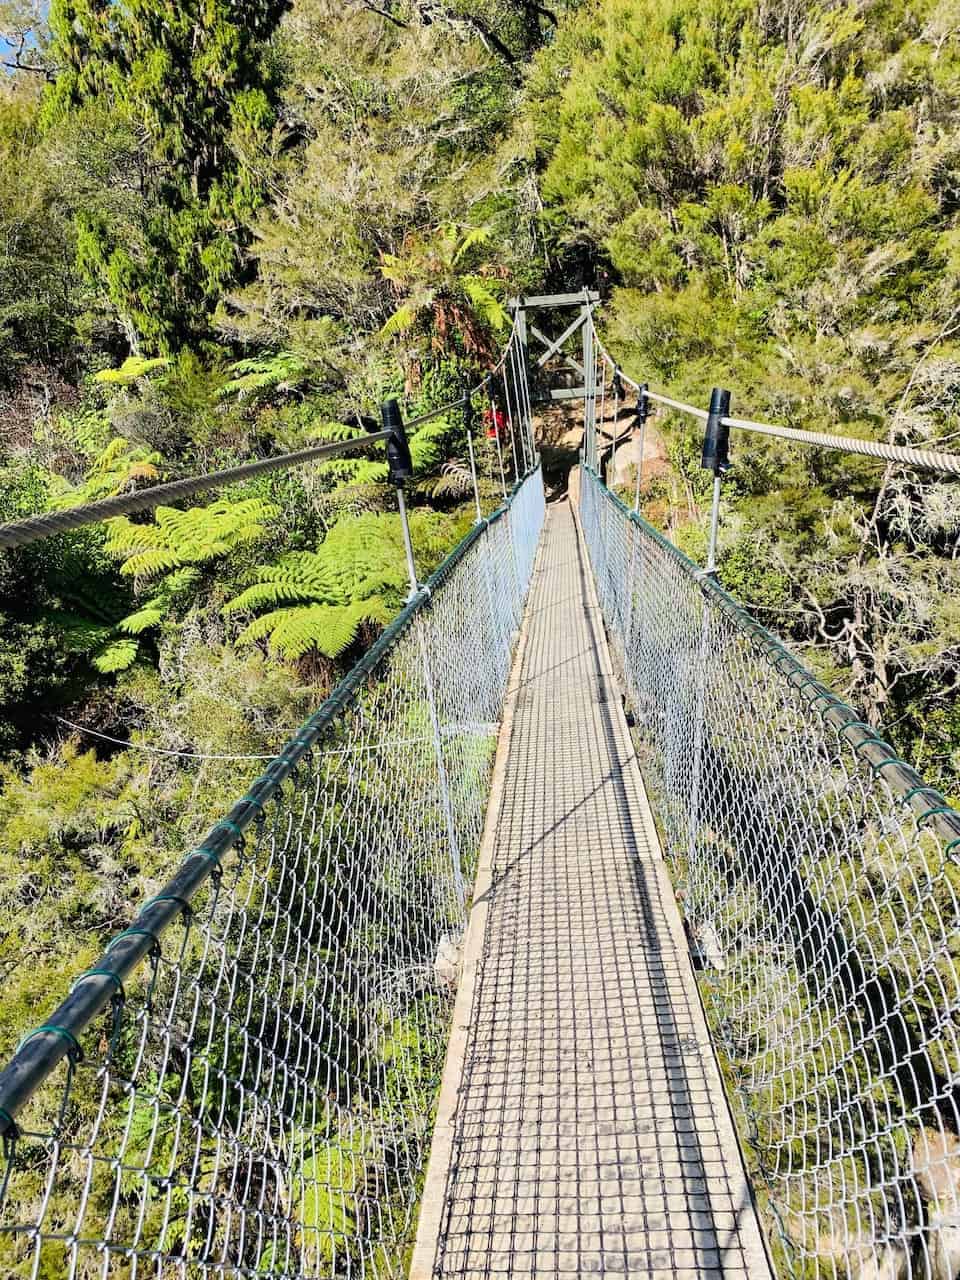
(546, 342)
(554, 347)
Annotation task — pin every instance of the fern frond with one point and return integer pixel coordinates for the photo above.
(76, 633)
(336, 431)
(478, 235)
(427, 445)
(133, 367)
(489, 306)
(402, 320)
(455, 481)
(179, 538)
(357, 470)
(147, 564)
(116, 655)
(151, 615)
(326, 629)
(281, 371)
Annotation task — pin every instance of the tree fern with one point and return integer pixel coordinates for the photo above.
(98, 642)
(278, 371)
(299, 576)
(115, 470)
(426, 451)
(318, 600)
(132, 369)
(328, 629)
(116, 655)
(178, 538)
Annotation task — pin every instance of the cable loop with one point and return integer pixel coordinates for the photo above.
(101, 973)
(74, 1050)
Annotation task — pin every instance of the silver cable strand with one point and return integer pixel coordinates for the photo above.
(19, 533)
(923, 459)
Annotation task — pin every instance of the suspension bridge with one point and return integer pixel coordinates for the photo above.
(580, 931)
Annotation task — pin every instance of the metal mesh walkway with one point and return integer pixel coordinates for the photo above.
(582, 1128)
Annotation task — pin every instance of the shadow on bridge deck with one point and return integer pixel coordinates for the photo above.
(582, 1125)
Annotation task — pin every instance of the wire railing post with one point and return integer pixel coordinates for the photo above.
(473, 475)
(400, 471)
(400, 467)
(716, 442)
(716, 459)
(589, 391)
(617, 388)
(643, 412)
(495, 427)
(523, 371)
(643, 409)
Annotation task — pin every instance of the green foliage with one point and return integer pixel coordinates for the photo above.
(133, 368)
(432, 272)
(317, 601)
(195, 536)
(264, 375)
(114, 470)
(332, 1179)
(195, 83)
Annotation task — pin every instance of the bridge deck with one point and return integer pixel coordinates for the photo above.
(582, 1125)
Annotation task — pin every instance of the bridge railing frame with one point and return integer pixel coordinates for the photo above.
(820, 882)
(401, 817)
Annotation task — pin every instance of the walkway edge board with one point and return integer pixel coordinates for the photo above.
(441, 1149)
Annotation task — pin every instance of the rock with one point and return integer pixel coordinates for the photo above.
(622, 468)
(891, 1262)
(943, 1244)
(936, 1167)
(843, 1251)
(708, 949)
(449, 958)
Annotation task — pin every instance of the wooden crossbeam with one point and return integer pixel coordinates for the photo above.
(556, 300)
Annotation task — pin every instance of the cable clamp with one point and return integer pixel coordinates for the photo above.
(136, 932)
(861, 724)
(939, 808)
(916, 791)
(168, 897)
(883, 764)
(74, 1050)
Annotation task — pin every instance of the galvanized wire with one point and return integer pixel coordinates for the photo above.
(884, 450)
(243, 1084)
(821, 890)
(19, 533)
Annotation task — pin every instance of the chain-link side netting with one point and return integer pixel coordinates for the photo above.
(819, 882)
(253, 1097)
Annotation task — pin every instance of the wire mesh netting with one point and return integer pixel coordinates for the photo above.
(256, 1098)
(819, 882)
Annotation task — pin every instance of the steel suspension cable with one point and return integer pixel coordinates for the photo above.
(19, 533)
(924, 459)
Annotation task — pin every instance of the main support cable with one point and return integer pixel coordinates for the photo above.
(19, 533)
(923, 459)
